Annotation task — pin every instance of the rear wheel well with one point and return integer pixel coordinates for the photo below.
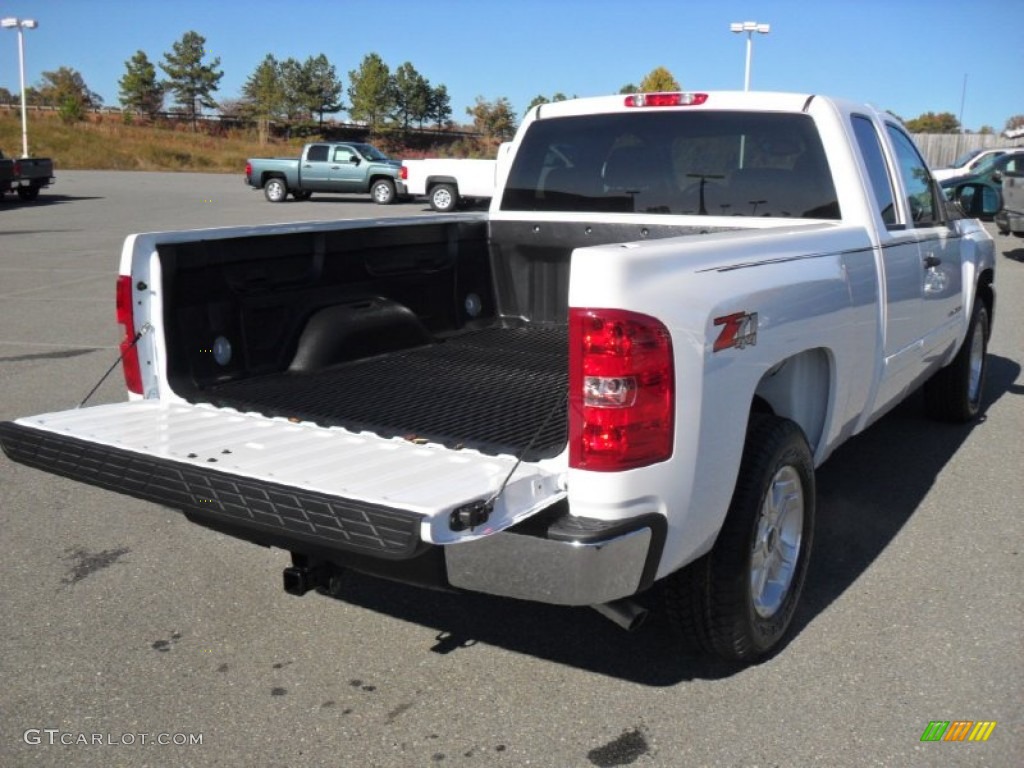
(268, 175)
(433, 181)
(799, 389)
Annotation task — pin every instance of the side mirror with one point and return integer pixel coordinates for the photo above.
(356, 161)
(978, 201)
(997, 177)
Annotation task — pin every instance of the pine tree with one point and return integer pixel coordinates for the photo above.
(264, 95)
(440, 107)
(412, 94)
(324, 87)
(140, 91)
(192, 82)
(371, 91)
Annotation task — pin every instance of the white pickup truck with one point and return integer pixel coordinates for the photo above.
(450, 183)
(622, 376)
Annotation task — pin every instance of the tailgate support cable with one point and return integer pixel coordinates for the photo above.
(477, 512)
(146, 328)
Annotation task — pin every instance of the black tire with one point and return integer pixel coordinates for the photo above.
(444, 198)
(28, 194)
(301, 195)
(955, 392)
(719, 603)
(383, 191)
(275, 190)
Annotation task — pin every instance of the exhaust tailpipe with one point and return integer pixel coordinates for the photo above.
(627, 613)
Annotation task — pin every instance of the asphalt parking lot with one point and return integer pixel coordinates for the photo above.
(123, 621)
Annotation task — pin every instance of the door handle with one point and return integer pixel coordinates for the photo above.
(335, 167)
(931, 261)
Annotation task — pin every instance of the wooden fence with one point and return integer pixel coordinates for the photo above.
(941, 149)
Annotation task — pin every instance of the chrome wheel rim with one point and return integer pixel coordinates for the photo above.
(382, 193)
(976, 364)
(276, 190)
(442, 199)
(776, 548)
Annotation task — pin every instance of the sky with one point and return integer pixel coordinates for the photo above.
(907, 56)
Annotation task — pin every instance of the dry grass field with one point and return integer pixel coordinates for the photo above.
(105, 143)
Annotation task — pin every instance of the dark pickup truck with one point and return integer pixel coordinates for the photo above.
(25, 175)
(328, 167)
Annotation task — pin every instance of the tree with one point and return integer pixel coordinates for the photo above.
(323, 88)
(140, 92)
(629, 88)
(541, 99)
(192, 82)
(6, 97)
(264, 96)
(1014, 123)
(659, 79)
(440, 107)
(412, 95)
(930, 122)
(65, 86)
(295, 87)
(495, 120)
(371, 92)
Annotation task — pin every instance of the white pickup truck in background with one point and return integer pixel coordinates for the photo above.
(452, 183)
(615, 386)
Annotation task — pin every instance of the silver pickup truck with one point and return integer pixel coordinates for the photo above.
(1010, 218)
(327, 167)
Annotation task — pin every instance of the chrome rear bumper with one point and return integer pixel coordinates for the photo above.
(596, 567)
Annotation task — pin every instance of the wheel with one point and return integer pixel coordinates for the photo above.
(444, 198)
(275, 190)
(383, 191)
(28, 193)
(954, 392)
(738, 600)
(301, 196)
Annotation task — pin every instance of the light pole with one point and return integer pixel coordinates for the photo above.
(21, 25)
(750, 27)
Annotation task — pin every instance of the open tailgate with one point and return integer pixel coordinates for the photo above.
(280, 481)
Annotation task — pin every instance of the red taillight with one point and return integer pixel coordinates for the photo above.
(17, 168)
(404, 173)
(621, 390)
(665, 99)
(129, 351)
(248, 170)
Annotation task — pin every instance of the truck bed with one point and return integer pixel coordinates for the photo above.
(500, 390)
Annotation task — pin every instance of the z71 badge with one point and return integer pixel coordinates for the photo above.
(739, 331)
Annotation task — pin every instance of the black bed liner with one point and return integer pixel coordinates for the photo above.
(494, 390)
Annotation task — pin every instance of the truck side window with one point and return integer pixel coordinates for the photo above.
(917, 178)
(878, 171)
(317, 153)
(343, 155)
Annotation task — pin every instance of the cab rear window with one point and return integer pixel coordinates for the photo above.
(674, 162)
